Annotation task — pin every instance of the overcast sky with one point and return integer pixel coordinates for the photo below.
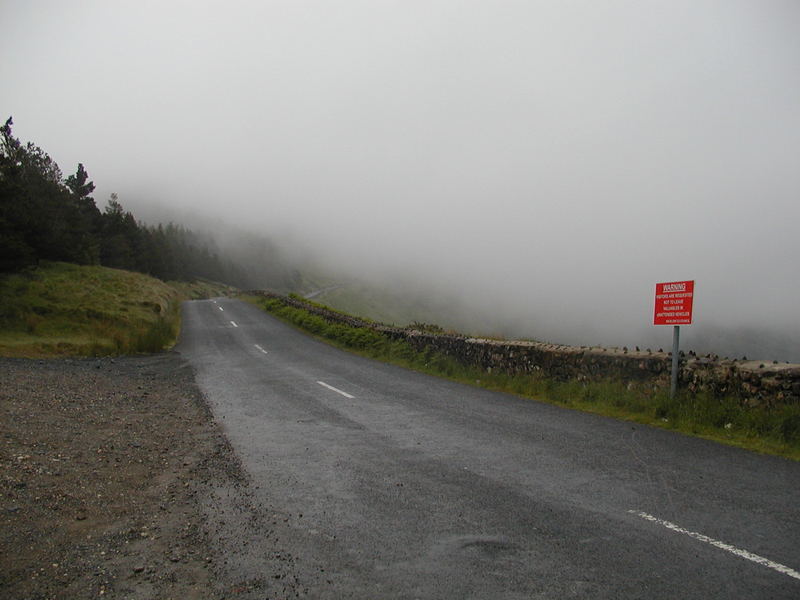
(557, 157)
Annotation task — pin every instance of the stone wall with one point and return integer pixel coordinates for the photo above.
(755, 382)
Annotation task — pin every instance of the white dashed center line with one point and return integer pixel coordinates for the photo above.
(722, 545)
(338, 391)
(260, 349)
(222, 309)
(234, 323)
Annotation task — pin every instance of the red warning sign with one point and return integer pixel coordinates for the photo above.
(674, 303)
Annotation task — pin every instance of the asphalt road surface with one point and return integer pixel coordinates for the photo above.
(386, 483)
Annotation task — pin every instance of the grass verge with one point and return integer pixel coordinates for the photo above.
(201, 289)
(768, 430)
(61, 309)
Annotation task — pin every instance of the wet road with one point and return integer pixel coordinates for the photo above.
(389, 483)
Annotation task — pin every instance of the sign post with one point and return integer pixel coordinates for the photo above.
(673, 381)
(674, 307)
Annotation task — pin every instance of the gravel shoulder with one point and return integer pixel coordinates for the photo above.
(109, 471)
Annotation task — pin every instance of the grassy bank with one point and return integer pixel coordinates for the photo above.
(774, 431)
(200, 289)
(61, 309)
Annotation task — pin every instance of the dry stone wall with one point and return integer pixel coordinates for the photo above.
(754, 382)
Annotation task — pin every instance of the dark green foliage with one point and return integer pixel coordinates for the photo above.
(46, 217)
(790, 428)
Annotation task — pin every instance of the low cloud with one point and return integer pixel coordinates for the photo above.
(543, 164)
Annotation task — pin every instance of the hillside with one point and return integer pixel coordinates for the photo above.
(61, 309)
(403, 304)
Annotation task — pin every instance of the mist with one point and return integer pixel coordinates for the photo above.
(537, 166)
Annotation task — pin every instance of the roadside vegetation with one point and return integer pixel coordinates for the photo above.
(62, 309)
(769, 430)
(202, 288)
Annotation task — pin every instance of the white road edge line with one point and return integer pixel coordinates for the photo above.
(260, 349)
(234, 323)
(330, 387)
(722, 545)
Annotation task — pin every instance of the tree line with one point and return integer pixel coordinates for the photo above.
(45, 216)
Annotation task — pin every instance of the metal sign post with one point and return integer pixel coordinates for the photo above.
(673, 385)
(674, 307)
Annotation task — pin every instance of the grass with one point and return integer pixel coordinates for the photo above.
(357, 300)
(394, 304)
(770, 430)
(201, 289)
(61, 309)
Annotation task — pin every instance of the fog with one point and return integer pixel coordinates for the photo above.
(541, 164)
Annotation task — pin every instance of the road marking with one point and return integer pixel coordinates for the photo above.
(260, 349)
(722, 545)
(330, 387)
(219, 307)
(234, 323)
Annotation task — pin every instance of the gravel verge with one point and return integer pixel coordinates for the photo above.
(109, 474)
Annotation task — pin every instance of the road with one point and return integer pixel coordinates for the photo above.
(319, 292)
(382, 482)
